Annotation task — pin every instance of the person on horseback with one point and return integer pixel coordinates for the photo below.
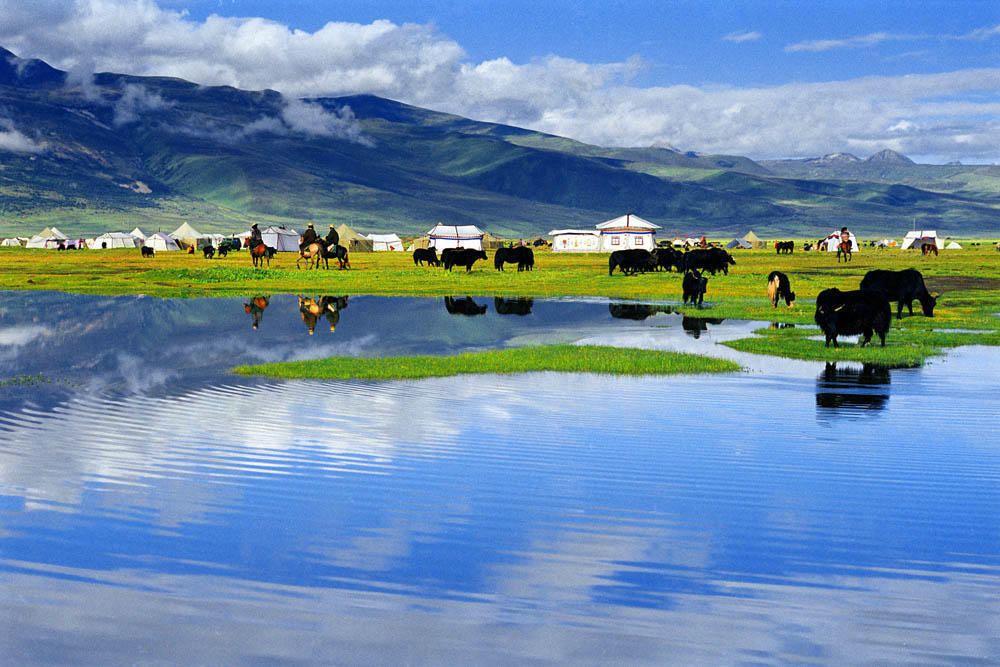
(308, 237)
(332, 239)
(845, 239)
(255, 236)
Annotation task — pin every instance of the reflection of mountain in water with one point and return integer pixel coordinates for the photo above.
(513, 305)
(693, 326)
(851, 388)
(636, 311)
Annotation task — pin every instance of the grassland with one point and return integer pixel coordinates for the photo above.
(966, 313)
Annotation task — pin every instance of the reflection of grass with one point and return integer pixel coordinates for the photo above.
(562, 358)
(24, 380)
(904, 346)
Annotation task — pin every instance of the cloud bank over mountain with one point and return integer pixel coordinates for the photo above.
(951, 115)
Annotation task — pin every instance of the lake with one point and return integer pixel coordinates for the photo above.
(154, 508)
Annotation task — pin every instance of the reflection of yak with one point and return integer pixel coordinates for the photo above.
(693, 326)
(513, 306)
(329, 306)
(636, 311)
(256, 308)
(464, 306)
(852, 387)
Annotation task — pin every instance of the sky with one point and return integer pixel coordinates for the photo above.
(771, 79)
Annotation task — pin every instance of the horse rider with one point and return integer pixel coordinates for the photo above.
(308, 237)
(255, 236)
(845, 239)
(332, 239)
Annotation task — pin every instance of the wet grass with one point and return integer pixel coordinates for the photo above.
(560, 358)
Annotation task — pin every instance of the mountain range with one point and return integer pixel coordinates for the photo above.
(114, 151)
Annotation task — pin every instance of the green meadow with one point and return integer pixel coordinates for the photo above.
(968, 279)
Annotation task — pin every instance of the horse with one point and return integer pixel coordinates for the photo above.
(256, 308)
(310, 309)
(844, 249)
(260, 252)
(315, 253)
(928, 248)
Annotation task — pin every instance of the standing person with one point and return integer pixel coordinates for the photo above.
(332, 239)
(309, 236)
(255, 236)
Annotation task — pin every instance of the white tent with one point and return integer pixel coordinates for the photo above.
(953, 246)
(138, 234)
(383, 242)
(10, 242)
(280, 238)
(833, 241)
(916, 239)
(575, 240)
(455, 236)
(112, 240)
(47, 238)
(160, 242)
(626, 232)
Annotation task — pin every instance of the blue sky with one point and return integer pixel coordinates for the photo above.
(763, 79)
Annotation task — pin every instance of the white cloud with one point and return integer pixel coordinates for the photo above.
(739, 37)
(595, 103)
(136, 99)
(14, 141)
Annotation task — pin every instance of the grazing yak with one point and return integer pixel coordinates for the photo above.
(208, 252)
(631, 261)
(852, 313)
(784, 247)
(669, 258)
(461, 257)
(694, 286)
(903, 287)
(779, 287)
(464, 306)
(147, 251)
(429, 255)
(708, 259)
(523, 256)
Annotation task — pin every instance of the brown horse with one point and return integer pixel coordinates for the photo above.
(314, 253)
(260, 253)
(256, 308)
(310, 309)
(928, 248)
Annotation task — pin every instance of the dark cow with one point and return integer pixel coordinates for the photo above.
(461, 257)
(208, 251)
(668, 258)
(146, 251)
(852, 313)
(429, 255)
(631, 261)
(779, 287)
(708, 259)
(694, 286)
(464, 306)
(229, 245)
(784, 247)
(523, 256)
(903, 287)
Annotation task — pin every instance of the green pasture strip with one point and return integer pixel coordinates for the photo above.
(560, 358)
(904, 346)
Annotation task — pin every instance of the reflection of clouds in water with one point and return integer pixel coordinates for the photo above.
(18, 336)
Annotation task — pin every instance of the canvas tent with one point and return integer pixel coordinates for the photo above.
(953, 246)
(754, 240)
(138, 234)
(160, 242)
(916, 239)
(833, 241)
(575, 240)
(187, 236)
(47, 238)
(739, 243)
(353, 241)
(455, 236)
(281, 239)
(10, 242)
(385, 242)
(627, 232)
(112, 240)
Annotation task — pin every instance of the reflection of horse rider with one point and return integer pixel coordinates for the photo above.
(332, 239)
(308, 237)
(255, 236)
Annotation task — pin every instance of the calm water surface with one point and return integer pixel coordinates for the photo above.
(155, 509)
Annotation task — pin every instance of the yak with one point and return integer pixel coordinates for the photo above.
(779, 287)
(694, 286)
(461, 257)
(523, 256)
(147, 251)
(429, 255)
(903, 287)
(708, 259)
(784, 247)
(631, 261)
(858, 312)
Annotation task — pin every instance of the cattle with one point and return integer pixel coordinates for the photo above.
(784, 247)
(464, 306)
(146, 251)
(429, 255)
(858, 312)
(631, 261)
(779, 287)
(668, 258)
(903, 287)
(461, 257)
(694, 286)
(208, 252)
(928, 248)
(523, 256)
(709, 259)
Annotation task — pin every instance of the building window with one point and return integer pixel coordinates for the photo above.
(615, 240)
(638, 240)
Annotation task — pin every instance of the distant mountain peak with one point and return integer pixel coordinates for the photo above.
(890, 156)
(28, 73)
(666, 147)
(840, 158)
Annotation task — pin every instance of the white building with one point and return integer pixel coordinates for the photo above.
(626, 233)
(575, 240)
